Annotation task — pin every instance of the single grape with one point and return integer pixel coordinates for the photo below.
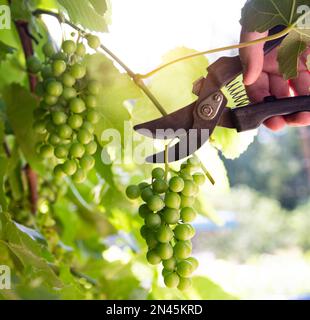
(68, 80)
(77, 150)
(93, 41)
(144, 231)
(79, 176)
(33, 64)
(152, 257)
(93, 87)
(193, 161)
(185, 268)
(77, 105)
(164, 250)
(78, 71)
(144, 210)
(59, 117)
(50, 100)
(88, 126)
(185, 176)
(171, 216)
(80, 49)
(172, 200)
(75, 121)
(170, 264)
(199, 178)
(39, 127)
(46, 151)
(143, 185)
(158, 173)
(58, 67)
(84, 136)
(69, 167)
(133, 192)
(172, 280)
(183, 232)
(68, 46)
(184, 284)
(165, 272)
(54, 88)
(92, 116)
(187, 201)
(153, 221)
(58, 173)
(91, 148)
(69, 93)
(61, 152)
(146, 194)
(87, 162)
(188, 214)
(182, 250)
(155, 203)
(48, 49)
(64, 131)
(193, 261)
(176, 184)
(189, 188)
(151, 240)
(159, 186)
(59, 56)
(90, 101)
(54, 140)
(164, 234)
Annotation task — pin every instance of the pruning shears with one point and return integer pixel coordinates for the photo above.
(195, 123)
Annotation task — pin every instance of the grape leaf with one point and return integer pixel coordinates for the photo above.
(100, 6)
(5, 50)
(270, 13)
(83, 13)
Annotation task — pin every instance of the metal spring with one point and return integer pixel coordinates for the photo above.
(238, 93)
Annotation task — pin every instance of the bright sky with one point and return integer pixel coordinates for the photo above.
(142, 31)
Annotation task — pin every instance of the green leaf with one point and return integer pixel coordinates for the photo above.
(83, 13)
(4, 50)
(100, 6)
(20, 105)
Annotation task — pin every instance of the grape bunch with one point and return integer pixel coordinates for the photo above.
(167, 212)
(67, 112)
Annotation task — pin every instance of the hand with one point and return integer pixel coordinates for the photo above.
(262, 78)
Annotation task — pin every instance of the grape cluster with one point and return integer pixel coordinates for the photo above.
(167, 212)
(66, 115)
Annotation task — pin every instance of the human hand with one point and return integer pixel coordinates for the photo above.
(262, 78)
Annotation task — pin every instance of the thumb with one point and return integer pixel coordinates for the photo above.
(252, 57)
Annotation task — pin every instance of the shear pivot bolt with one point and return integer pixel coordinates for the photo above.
(217, 97)
(207, 110)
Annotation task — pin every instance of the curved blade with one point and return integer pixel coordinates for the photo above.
(170, 126)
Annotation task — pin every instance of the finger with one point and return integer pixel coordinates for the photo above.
(252, 57)
(279, 87)
(257, 92)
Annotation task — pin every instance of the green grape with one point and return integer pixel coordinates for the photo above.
(79, 176)
(58, 67)
(90, 101)
(164, 234)
(185, 175)
(33, 64)
(68, 80)
(69, 167)
(61, 152)
(50, 100)
(54, 140)
(133, 192)
(199, 178)
(69, 93)
(155, 203)
(153, 221)
(93, 87)
(193, 161)
(170, 264)
(182, 250)
(172, 200)
(39, 127)
(164, 250)
(143, 185)
(39, 89)
(64, 131)
(144, 231)
(92, 116)
(158, 173)
(171, 216)
(77, 105)
(152, 257)
(46, 151)
(176, 184)
(187, 201)
(165, 272)
(151, 240)
(172, 280)
(84, 136)
(80, 50)
(47, 72)
(184, 284)
(159, 186)
(75, 121)
(185, 268)
(54, 88)
(93, 41)
(91, 148)
(78, 71)
(58, 173)
(144, 210)
(59, 117)
(183, 232)
(77, 150)
(68, 46)
(189, 188)
(193, 261)
(146, 194)
(87, 162)
(192, 230)
(48, 49)
(88, 126)
(188, 214)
